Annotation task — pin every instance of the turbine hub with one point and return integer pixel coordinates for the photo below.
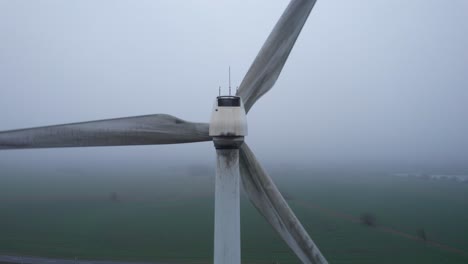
(228, 124)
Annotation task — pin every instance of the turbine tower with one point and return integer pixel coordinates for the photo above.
(227, 129)
(228, 126)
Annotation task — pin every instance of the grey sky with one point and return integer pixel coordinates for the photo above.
(368, 81)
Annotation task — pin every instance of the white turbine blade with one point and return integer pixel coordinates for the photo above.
(269, 62)
(140, 130)
(271, 204)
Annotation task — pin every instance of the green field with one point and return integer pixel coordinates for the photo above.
(167, 214)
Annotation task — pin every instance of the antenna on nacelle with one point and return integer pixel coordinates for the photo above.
(219, 90)
(229, 80)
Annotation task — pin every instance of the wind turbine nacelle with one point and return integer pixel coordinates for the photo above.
(228, 118)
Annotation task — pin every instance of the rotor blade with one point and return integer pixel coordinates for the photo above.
(271, 204)
(269, 62)
(139, 130)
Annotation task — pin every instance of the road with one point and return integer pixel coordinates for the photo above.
(38, 260)
(385, 229)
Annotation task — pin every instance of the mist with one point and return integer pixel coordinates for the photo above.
(368, 83)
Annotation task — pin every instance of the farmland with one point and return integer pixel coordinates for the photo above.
(106, 214)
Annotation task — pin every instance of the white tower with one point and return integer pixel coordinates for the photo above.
(228, 126)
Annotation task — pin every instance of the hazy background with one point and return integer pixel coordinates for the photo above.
(369, 82)
(372, 88)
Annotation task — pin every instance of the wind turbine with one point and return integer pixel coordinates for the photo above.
(227, 129)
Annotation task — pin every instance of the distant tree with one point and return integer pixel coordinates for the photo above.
(422, 234)
(425, 176)
(368, 219)
(287, 196)
(114, 197)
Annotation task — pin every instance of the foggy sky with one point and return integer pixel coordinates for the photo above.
(369, 81)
